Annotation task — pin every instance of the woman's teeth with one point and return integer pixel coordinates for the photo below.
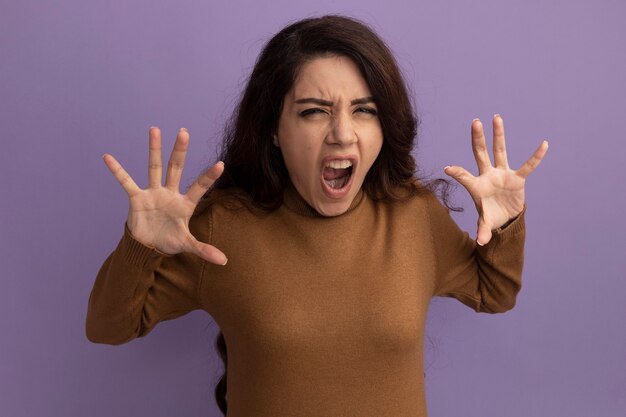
(339, 164)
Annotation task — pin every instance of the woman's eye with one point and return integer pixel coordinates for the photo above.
(367, 110)
(311, 111)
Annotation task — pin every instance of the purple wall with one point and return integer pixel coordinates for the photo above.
(78, 79)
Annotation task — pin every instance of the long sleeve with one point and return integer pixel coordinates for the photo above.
(485, 278)
(138, 286)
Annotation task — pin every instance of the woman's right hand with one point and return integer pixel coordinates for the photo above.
(159, 216)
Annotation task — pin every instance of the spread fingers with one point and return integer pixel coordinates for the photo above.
(499, 146)
(204, 182)
(534, 161)
(479, 147)
(155, 163)
(121, 175)
(177, 160)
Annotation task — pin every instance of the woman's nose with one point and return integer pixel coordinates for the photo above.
(342, 130)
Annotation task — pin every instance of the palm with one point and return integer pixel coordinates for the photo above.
(498, 191)
(159, 215)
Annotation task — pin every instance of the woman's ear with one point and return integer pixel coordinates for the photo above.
(275, 140)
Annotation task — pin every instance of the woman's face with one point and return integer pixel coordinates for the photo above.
(329, 133)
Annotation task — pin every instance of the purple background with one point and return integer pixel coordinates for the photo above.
(81, 78)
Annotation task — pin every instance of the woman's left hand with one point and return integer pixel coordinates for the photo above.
(498, 191)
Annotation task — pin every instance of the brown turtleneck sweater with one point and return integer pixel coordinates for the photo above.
(322, 316)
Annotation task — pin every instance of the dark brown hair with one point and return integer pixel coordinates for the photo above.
(254, 165)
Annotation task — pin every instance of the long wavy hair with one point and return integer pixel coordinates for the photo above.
(254, 165)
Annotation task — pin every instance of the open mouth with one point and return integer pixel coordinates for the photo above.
(337, 174)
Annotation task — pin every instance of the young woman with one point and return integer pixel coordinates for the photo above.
(313, 245)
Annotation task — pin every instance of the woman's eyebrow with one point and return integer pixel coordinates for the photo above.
(322, 102)
(363, 100)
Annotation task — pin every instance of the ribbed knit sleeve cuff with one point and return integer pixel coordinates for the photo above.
(516, 226)
(136, 253)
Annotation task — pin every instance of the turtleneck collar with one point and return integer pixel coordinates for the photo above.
(294, 202)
